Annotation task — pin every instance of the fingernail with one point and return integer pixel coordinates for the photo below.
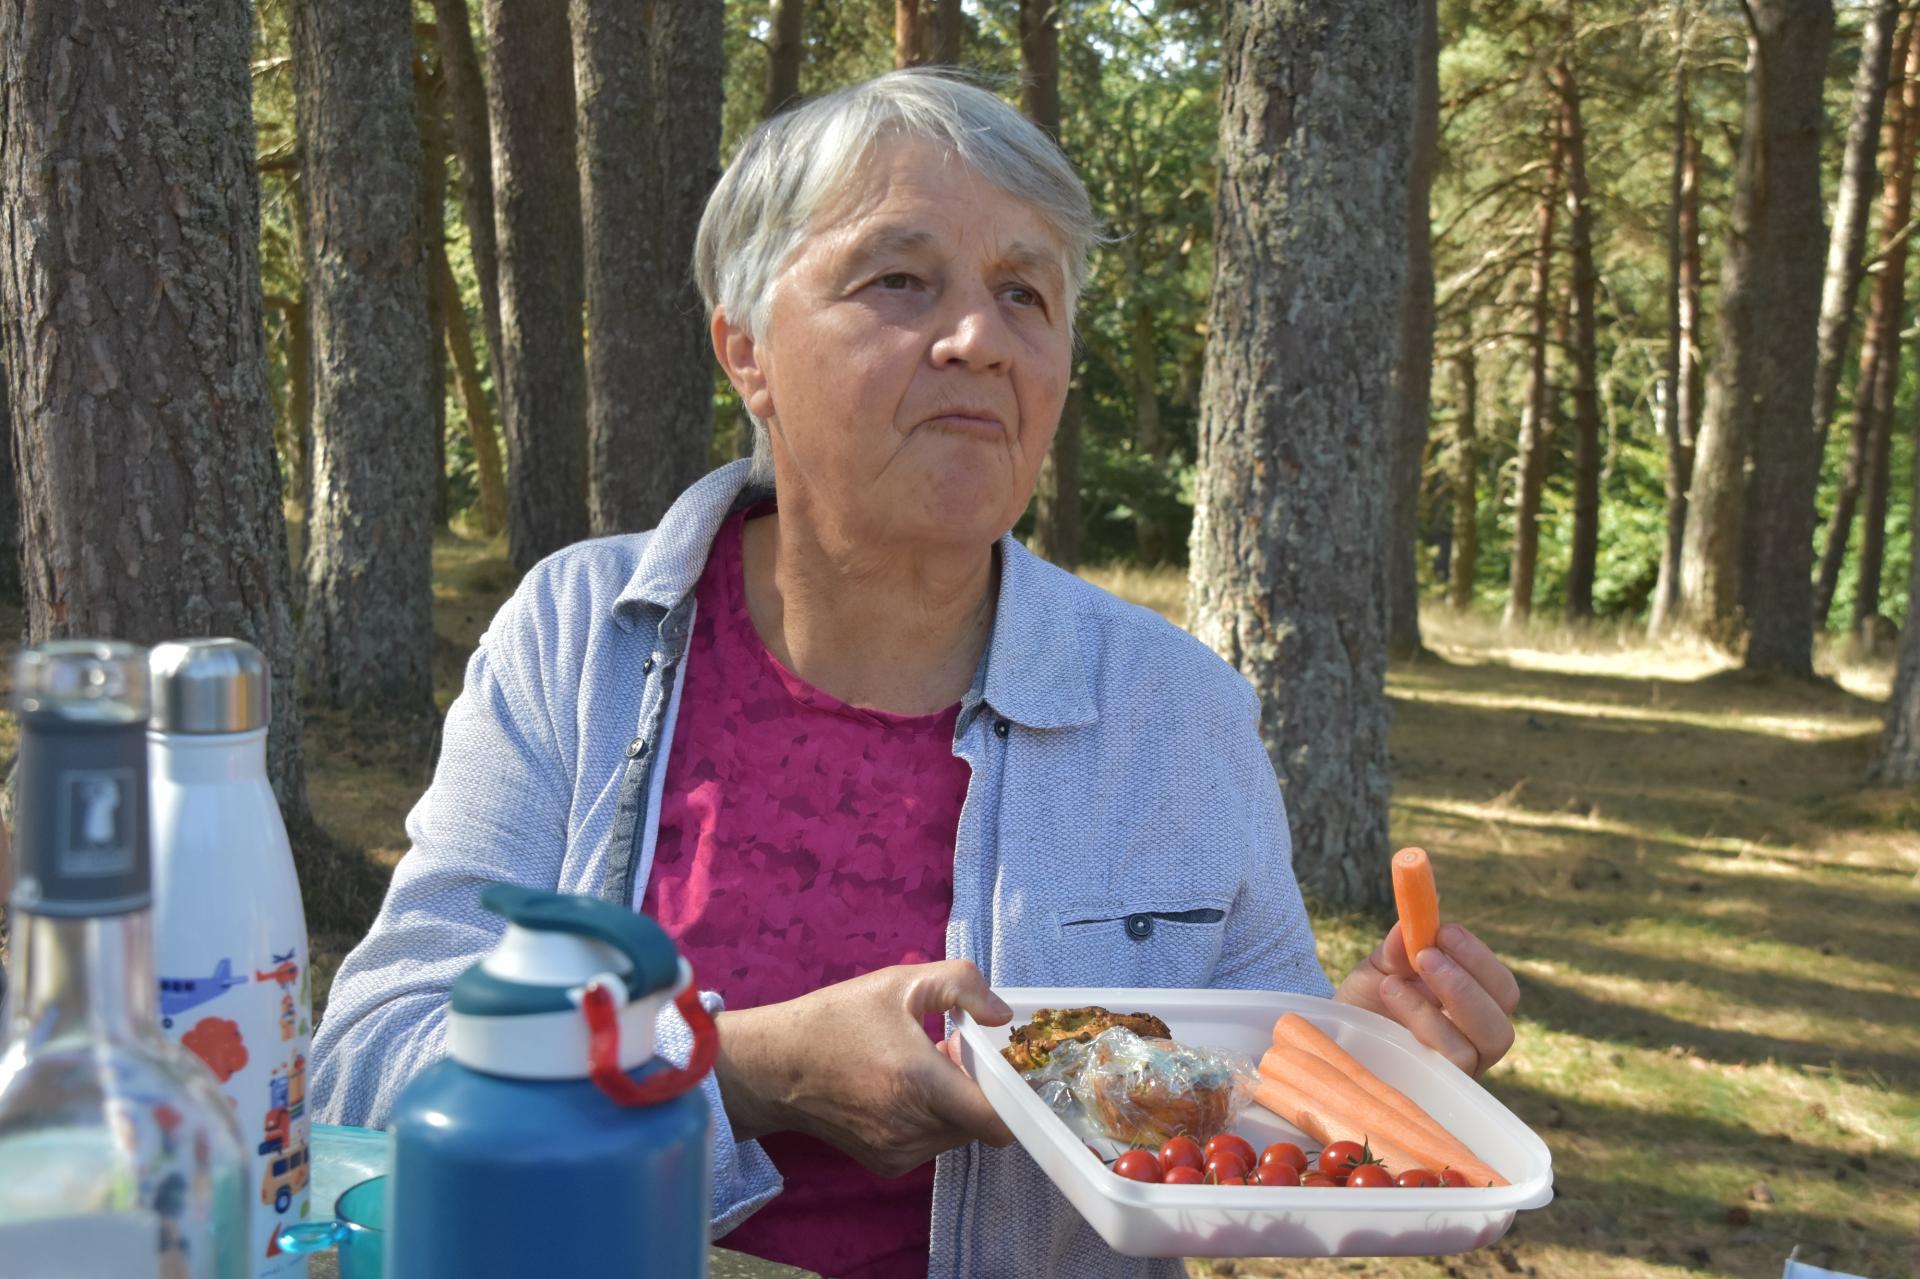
(1390, 987)
(1001, 1007)
(1433, 961)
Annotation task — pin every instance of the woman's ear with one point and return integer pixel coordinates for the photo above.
(743, 358)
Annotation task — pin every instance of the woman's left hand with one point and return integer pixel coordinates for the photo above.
(1458, 999)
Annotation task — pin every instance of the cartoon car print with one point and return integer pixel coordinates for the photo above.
(284, 1175)
(178, 994)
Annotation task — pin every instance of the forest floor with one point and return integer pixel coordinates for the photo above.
(1715, 924)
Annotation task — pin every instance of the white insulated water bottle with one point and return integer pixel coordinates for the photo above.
(230, 934)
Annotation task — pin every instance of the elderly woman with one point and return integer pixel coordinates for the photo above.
(857, 750)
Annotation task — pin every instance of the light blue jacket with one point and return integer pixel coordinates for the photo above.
(1123, 827)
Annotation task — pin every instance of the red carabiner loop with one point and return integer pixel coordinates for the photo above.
(603, 1048)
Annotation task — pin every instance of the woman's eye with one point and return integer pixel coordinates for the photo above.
(895, 280)
(1021, 295)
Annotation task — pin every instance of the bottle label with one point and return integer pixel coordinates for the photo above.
(126, 1245)
(81, 830)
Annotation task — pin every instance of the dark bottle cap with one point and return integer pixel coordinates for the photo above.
(80, 812)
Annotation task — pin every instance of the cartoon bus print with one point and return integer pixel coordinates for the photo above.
(179, 994)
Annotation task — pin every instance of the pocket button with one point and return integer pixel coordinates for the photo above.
(1139, 927)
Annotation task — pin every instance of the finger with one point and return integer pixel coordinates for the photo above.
(956, 1100)
(1390, 956)
(1469, 1007)
(1478, 959)
(951, 1049)
(956, 983)
(1429, 1025)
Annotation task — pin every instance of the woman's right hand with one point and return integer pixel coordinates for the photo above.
(852, 1065)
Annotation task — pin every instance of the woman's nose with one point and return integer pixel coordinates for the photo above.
(973, 333)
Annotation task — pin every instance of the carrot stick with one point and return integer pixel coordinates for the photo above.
(1302, 1106)
(1418, 899)
(1298, 1032)
(1409, 1126)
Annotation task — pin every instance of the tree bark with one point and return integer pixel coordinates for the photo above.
(428, 85)
(135, 352)
(1898, 762)
(1532, 447)
(473, 397)
(1056, 514)
(1680, 409)
(367, 630)
(1296, 435)
(473, 146)
(912, 43)
(1760, 397)
(1880, 342)
(1841, 284)
(1413, 371)
(536, 209)
(949, 32)
(1463, 478)
(783, 57)
(1873, 523)
(9, 491)
(649, 86)
(1586, 384)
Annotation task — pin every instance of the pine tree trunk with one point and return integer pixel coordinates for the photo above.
(473, 397)
(1898, 763)
(1841, 285)
(367, 631)
(1586, 385)
(1760, 398)
(1056, 513)
(536, 209)
(787, 47)
(1290, 519)
(650, 98)
(948, 32)
(428, 84)
(473, 147)
(135, 350)
(911, 37)
(1463, 478)
(1880, 343)
(1873, 522)
(9, 491)
(1532, 448)
(1413, 370)
(1680, 409)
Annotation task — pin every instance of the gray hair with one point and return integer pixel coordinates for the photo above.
(796, 163)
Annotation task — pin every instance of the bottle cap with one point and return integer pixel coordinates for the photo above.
(209, 686)
(517, 1012)
(80, 820)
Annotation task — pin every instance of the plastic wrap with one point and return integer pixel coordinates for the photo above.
(1143, 1091)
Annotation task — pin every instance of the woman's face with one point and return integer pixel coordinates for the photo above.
(917, 358)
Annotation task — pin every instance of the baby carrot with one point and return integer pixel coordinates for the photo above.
(1417, 898)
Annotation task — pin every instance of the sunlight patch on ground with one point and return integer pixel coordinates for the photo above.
(1803, 728)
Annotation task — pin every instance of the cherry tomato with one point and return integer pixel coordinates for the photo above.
(1277, 1172)
(1284, 1152)
(1317, 1179)
(1182, 1152)
(1369, 1177)
(1138, 1165)
(1416, 1177)
(1226, 1169)
(1181, 1175)
(1238, 1145)
(1453, 1177)
(1340, 1158)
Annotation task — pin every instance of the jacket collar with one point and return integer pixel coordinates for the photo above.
(1034, 671)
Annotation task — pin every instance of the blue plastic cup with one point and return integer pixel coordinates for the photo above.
(358, 1230)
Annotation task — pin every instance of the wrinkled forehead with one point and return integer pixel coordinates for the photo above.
(874, 210)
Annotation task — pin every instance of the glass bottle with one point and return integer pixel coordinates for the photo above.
(117, 1154)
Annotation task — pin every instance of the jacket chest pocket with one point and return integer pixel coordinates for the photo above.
(1148, 944)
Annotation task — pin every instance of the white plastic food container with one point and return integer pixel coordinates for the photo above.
(1142, 1220)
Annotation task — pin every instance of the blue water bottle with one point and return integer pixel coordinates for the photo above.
(552, 1141)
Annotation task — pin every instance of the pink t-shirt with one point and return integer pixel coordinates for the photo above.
(803, 841)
